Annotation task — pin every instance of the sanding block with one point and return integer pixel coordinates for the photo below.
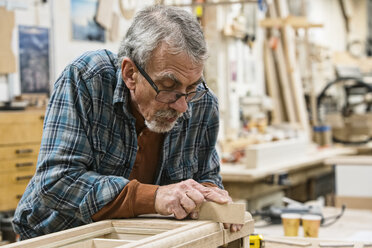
(232, 213)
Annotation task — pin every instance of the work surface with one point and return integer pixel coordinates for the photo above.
(253, 184)
(239, 173)
(354, 225)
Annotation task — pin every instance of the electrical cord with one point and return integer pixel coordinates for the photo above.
(333, 219)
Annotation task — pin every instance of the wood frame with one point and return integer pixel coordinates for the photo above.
(144, 231)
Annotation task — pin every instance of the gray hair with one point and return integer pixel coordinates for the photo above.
(157, 24)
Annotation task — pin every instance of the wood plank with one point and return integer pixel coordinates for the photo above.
(147, 230)
(293, 70)
(125, 236)
(81, 244)
(179, 235)
(114, 30)
(224, 213)
(109, 243)
(104, 13)
(247, 229)
(293, 21)
(150, 221)
(287, 242)
(67, 237)
(349, 160)
(283, 75)
(272, 84)
(211, 240)
(7, 58)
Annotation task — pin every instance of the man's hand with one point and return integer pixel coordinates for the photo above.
(184, 198)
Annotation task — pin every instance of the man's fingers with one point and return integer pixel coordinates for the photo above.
(212, 195)
(196, 196)
(179, 212)
(194, 215)
(187, 203)
(233, 227)
(226, 225)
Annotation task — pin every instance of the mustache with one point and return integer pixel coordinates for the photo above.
(170, 113)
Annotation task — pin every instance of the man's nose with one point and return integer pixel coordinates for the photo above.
(180, 105)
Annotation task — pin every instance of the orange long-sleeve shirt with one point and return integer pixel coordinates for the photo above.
(138, 196)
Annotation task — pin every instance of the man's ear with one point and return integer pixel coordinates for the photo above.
(129, 73)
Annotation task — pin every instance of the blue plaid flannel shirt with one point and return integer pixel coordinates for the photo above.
(89, 146)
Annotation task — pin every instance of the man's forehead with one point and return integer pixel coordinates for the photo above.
(164, 53)
(170, 76)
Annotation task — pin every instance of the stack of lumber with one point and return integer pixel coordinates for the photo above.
(284, 81)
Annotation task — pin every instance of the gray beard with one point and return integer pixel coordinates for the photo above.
(158, 126)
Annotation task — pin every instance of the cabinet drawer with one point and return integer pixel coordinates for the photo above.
(21, 127)
(9, 180)
(10, 196)
(18, 165)
(19, 151)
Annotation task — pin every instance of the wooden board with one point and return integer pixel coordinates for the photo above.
(349, 160)
(142, 232)
(7, 59)
(272, 84)
(293, 70)
(283, 75)
(104, 13)
(224, 213)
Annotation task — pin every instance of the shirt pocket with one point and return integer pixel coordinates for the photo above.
(186, 169)
(110, 154)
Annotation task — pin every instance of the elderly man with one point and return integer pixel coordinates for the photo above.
(118, 127)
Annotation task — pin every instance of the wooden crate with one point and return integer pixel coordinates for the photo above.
(146, 231)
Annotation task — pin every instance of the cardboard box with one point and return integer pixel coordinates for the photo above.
(354, 202)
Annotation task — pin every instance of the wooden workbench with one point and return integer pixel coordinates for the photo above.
(244, 183)
(146, 231)
(354, 227)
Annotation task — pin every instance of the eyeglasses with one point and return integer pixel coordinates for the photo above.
(170, 96)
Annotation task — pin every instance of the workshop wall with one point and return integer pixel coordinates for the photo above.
(56, 16)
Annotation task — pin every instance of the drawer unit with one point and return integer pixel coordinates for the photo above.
(19, 151)
(18, 165)
(10, 196)
(21, 127)
(20, 137)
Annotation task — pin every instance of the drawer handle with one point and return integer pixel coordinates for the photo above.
(23, 178)
(24, 151)
(18, 197)
(18, 165)
(42, 117)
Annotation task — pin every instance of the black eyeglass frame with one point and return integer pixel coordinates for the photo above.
(178, 95)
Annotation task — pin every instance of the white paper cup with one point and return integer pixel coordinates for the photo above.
(291, 222)
(310, 224)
